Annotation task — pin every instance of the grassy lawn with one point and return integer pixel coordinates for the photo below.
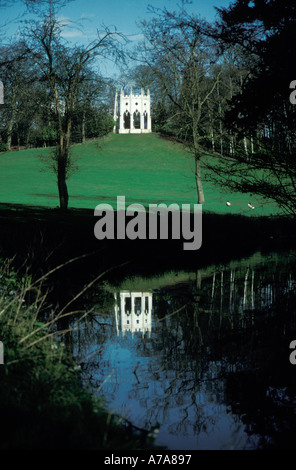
(143, 168)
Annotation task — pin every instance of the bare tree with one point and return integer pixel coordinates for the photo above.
(65, 69)
(19, 75)
(181, 54)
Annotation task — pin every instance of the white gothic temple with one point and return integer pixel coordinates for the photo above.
(133, 312)
(132, 113)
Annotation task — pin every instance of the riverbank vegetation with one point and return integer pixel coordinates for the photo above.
(42, 402)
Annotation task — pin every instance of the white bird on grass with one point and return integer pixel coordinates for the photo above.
(251, 206)
(228, 203)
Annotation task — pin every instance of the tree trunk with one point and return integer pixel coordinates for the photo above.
(220, 120)
(63, 191)
(197, 172)
(62, 186)
(252, 145)
(11, 121)
(246, 148)
(83, 127)
(213, 139)
(200, 192)
(211, 128)
(231, 145)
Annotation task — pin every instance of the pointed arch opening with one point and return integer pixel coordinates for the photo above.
(145, 120)
(127, 120)
(137, 120)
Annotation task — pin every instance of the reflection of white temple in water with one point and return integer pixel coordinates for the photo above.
(133, 311)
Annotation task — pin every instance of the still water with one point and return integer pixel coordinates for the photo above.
(201, 356)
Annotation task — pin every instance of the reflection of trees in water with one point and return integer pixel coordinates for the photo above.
(88, 339)
(263, 394)
(252, 336)
(238, 319)
(228, 346)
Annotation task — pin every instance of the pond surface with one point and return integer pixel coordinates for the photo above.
(201, 356)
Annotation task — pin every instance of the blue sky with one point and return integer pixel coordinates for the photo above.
(82, 18)
(125, 14)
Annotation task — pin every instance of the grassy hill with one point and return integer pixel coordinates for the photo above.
(143, 168)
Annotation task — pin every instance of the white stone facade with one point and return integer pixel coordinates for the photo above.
(132, 113)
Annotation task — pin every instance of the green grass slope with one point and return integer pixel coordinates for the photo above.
(144, 168)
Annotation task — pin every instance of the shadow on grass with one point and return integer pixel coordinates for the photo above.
(49, 236)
